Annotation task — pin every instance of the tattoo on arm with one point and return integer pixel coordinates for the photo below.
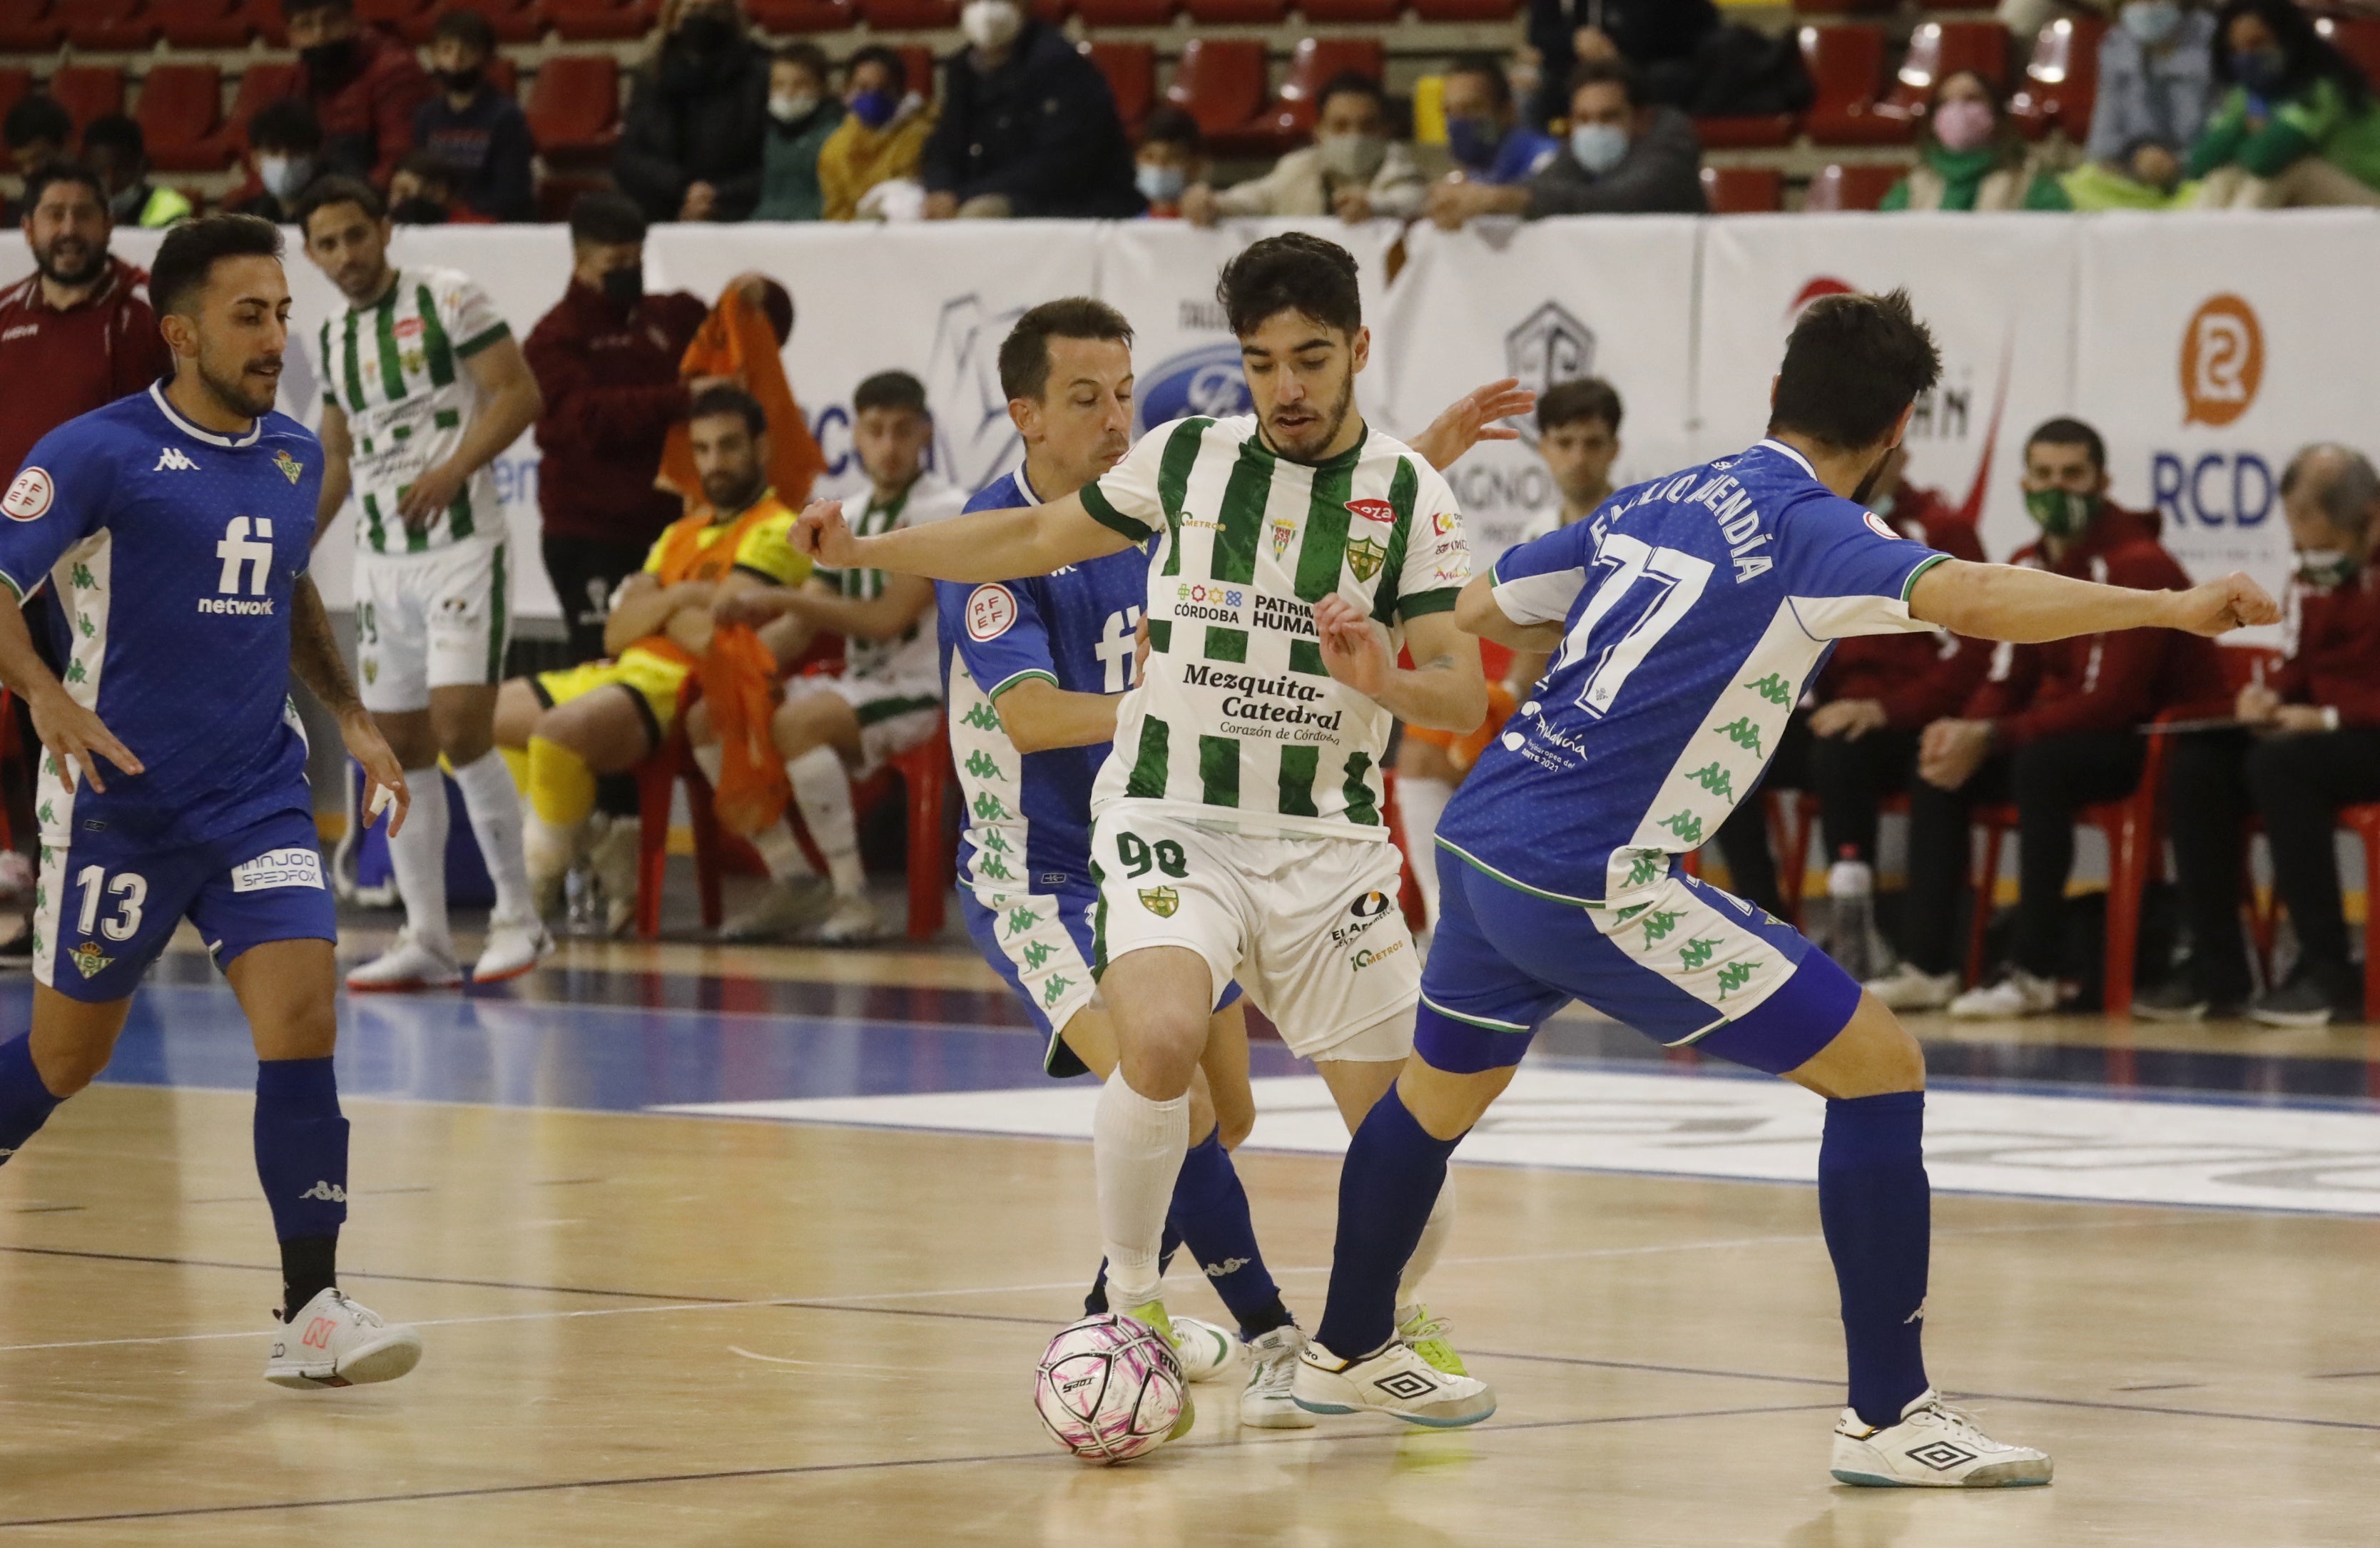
(314, 651)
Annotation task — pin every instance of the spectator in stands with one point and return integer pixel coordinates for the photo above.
(474, 126)
(1170, 161)
(690, 145)
(867, 169)
(2295, 123)
(1483, 132)
(803, 115)
(2314, 746)
(285, 145)
(1353, 170)
(1971, 157)
(38, 129)
(421, 192)
(1029, 127)
(114, 147)
(2055, 728)
(1625, 158)
(1658, 37)
(606, 359)
(363, 83)
(2155, 81)
(1854, 740)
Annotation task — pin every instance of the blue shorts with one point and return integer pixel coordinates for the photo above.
(1682, 961)
(108, 903)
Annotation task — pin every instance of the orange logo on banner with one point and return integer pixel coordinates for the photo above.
(2222, 361)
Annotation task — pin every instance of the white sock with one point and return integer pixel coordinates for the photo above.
(417, 852)
(1421, 801)
(1434, 1235)
(494, 803)
(1137, 1147)
(822, 791)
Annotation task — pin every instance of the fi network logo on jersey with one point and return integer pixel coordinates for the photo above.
(246, 559)
(171, 459)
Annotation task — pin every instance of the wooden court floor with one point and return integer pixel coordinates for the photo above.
(674, 1330)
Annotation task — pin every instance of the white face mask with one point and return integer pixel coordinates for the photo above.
(285, 176)
(1599, 147)
(992, 24)
(1351, 156)
(791, 108)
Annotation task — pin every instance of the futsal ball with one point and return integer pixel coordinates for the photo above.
(1110, 1388)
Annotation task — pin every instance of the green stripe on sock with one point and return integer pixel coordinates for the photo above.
(1226, 645)
(1361, 809)
(1219, 770)
(1298, 765)
(1325, 549)
(1147, 781)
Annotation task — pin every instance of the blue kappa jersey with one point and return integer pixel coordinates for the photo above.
(1695, 607)
(171, 555)
(1029, 814)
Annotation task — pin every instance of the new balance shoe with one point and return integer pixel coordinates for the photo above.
(1906, 989)
(851, 920)
(1395, 1381)
(1934, 1446)
(514, 946)
(2020, 994)
(1426, 1337)
(1269, 1401)
(1205, 1350)
(1152, 1313)
(408, 964)
(333, 1342)
(783, 911)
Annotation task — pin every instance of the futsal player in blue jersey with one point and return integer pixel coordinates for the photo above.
(173, 527)
(1685, 617)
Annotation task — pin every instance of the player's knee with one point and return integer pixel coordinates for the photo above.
(1160, 1055)
(1447, 1104)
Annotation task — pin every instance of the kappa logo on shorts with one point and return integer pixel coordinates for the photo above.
(1160, 900)
(88, 961)
(1941, 1455)
(278, 867)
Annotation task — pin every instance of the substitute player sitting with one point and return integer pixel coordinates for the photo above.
(607, 717)
(422, 390)
(174, 527)
(1689, 615)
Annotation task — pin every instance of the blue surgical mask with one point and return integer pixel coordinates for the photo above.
(874, 109)
(1473, 141)
(2260, 69)
(1599, 147)
(2151, 22)
(1160, 185)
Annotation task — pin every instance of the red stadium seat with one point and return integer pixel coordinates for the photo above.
(581, 21)
(573, 107)
(514, 21)
(28, 26)
(123, 25)
(2061, 79)
(1857, 186)
(1131, 69)
(1743, 191)
(1944, 48)
(917, 61)
(910, 15)
(1125, 13)
(389, 13)
(2358, 37)
(1221, 82)
(1467, 10)
(181, 118)
(1746, 131)
(1237, 13)
(1315, 63)
(205, 23)
(1847, 65)
(800, 15)
(16, 85)
(88, 91)
(263, 81)
(1377, 12)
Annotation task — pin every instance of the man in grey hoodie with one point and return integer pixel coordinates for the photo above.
(1623, 158)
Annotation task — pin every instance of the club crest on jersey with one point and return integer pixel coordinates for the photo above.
(1160, 900)
(1365, 557)
(87, 960)
(291, 469)
(1283, 533)
(1373, 510)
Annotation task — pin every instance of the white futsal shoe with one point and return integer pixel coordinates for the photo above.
(1905, 988)
(851, 920)
(1271, 1400)
(783, 911)
(333, 1342)
(514, 947)
(408, 964)
(1934, 1446)
(1203, 1348)
(2020, 994)
(1396, 1381)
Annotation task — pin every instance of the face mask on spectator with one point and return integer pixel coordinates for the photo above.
(461, 82)
(791, 108)
(2151, 22)
(625, 286)
(1160, 185)
(873, 108)
(706, 31)
(1473, 141)
(1351, 156)
(2260, 69)
(2061, 512)
(328, 58)
(1599, 147)
(2325, 568)
(284, 176)
(1963, 124)
(990, 24)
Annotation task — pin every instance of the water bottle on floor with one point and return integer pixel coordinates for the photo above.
(1850, 925)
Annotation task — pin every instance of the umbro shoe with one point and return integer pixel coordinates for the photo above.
(1152, 1313)
(514, 946)
(1934, 1446)
(784, 911)
(333, 1342)
(2020, 994)
(408, 964)
(1271, 1400)
(1426, 1337)
(1395, 1381)
(1204, 1348)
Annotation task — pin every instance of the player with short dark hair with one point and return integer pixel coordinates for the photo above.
(173, 528)
(1689, 613)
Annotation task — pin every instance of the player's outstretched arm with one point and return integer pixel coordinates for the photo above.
(2026, 607)
(314, 661)
(982, 546)
(1445, 690)
(1477, 613)
(73, 734)
(1472, 418)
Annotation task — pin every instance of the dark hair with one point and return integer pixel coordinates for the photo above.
(809, 55)
(878, 53)
(1025, 354)
(470, 28)
(338, 188)
(1355, 81)
(2310, 56)
(2065, 431)
(34, 118)
(1596, 72)
(1173, 126)
(115, 131)
(1293, 271)
(191, 249)
(601, 216)
(891, 390)
(288, 125)
(292, 9)
(712, 402)
(60, 170)
(1853, 363)
(1488, 69)
(1586, 397)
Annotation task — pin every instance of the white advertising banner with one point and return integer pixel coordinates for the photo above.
(1998, 290)
(1547, 302)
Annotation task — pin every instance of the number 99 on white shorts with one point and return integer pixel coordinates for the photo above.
(1309, 925)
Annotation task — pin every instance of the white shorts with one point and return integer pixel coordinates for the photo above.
(1309, 925)
(435, 619)
(895, 715)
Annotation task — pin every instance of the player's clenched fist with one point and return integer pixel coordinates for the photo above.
(824, 536)
(1355, 649)
(2220, 606)
(73, 733)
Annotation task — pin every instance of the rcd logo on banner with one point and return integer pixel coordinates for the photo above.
(2222, 367)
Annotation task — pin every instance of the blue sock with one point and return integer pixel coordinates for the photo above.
(1095, 1303)
(1875, 1206)
(25, 1103)
(1210, 1210)
(301, 1158)
(1387, 1188)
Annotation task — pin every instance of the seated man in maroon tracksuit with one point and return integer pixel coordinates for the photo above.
(2053, 729)
(2312, 747)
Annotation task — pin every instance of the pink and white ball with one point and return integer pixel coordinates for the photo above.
(1110, 1389)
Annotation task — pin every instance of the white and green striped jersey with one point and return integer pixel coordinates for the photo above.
(1235, 714)
(395, 370)
(911, 659)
